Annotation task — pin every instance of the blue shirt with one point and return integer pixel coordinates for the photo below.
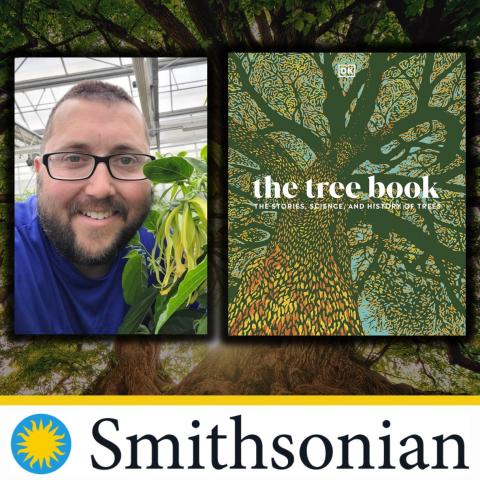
(51, 295)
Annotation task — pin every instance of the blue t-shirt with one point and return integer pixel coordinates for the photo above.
(51, 295)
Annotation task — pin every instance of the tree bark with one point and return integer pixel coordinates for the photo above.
(264, 29)
(205, 20)
(171, 25)
(430, 26)
(136, 369)
(301, 367)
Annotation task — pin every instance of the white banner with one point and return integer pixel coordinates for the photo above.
(295, 437)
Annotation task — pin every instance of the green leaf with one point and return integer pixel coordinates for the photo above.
(182, 322)
(151, 221)
(160, 303)
(201, 326)
(299, 24)
(199, 165)
(413, 8)
(135, 240)
(138, 312)
(204, 153)
(134, 279)
(131, 254)
(143, 330)
(168, 170)
(191, 281)
(183, 153)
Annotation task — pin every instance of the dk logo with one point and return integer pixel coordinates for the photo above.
(348, 70)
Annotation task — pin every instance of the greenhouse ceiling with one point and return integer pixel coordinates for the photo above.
(176, 114)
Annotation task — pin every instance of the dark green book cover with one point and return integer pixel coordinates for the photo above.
(346, 197)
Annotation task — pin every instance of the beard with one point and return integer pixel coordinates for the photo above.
(63, 237)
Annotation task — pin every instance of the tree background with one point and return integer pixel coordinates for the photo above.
(211, 27)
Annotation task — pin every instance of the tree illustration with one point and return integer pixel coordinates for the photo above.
(326, 271)
(210, 27)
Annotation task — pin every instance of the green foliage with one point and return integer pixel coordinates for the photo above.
(192, 281)
(134, 279)
(387, 32)
(302, 20)
(125, 26)
(138, 312)
(49, 366)
(201, 325)
(180, 357)
(203, 153)
(185, 322)
(129, 27)
(426, 366)
(414, 7)
(177, 262)
(168, 170)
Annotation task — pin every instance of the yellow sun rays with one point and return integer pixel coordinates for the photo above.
(41, 444)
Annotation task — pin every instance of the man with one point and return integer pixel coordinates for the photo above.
(92, 197)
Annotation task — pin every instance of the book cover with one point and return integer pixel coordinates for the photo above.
(346, 200)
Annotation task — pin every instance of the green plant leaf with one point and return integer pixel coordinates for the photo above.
(134, 278)
(182, 322)
(299, 24)
(143, 330)
(131, 254)
(151, 221)
(204, 153)
(201, 325)
(190, 282)
(199, 165)
(137, 312)
(135, 240)
(168, 169)
(160, 303)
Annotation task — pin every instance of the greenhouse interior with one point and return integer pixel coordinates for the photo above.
(171, 92)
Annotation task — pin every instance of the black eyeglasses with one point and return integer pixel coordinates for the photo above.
(80, 166)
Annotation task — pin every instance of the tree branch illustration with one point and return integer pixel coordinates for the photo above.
(380, 218)
(280, 122)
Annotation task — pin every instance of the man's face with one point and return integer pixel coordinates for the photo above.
(67, 208)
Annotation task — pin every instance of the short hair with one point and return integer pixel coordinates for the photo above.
(94, 90)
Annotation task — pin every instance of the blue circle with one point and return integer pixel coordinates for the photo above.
(41, 461)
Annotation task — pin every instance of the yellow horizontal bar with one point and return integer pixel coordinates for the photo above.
(239, 400)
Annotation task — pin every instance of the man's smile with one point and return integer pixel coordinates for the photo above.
(96, 219)
(99, 215)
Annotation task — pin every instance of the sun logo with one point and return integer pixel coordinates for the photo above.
(41, 443)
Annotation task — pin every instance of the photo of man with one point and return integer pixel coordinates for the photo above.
(92, 196)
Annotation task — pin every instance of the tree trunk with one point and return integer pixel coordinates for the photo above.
(303, 285)
(302, 367)
(136, 370)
